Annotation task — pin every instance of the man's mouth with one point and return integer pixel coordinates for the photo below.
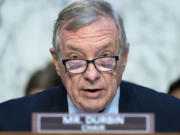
(92, 93)
(92, 90)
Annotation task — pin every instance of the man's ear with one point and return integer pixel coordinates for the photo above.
(56, 61)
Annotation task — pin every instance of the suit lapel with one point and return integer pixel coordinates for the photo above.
(59, 101)
(129, 101)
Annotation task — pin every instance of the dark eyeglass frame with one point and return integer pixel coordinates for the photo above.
(91, 61)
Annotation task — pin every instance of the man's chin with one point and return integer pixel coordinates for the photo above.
(93, 108)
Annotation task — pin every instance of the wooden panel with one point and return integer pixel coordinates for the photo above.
(29, 133)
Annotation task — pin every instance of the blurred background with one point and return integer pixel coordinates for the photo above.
(152, 28)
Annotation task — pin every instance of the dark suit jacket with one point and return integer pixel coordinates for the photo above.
(15, 115)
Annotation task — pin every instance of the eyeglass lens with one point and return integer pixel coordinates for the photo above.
(102, 64)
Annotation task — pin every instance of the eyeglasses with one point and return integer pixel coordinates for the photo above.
(102, 64)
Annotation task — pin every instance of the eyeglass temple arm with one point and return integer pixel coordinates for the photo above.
(120, 52)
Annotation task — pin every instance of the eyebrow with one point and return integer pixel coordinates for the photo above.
(71, 47)
(105, 47)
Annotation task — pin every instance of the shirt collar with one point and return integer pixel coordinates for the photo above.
(112, 108)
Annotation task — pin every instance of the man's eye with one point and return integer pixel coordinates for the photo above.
(106, 54)
(74, 57)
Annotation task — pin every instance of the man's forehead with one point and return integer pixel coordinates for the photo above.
(103, 22)
(79, 48)
(93, 29)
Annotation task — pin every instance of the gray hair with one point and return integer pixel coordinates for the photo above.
(83, 12)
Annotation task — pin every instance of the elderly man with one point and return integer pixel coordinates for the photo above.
(90, 53)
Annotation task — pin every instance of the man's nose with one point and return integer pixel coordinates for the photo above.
(91, 74)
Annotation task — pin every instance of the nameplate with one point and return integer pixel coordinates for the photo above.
(92, 123)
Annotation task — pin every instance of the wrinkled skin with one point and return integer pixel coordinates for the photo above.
(91, 91)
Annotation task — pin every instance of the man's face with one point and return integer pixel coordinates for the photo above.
(91, 91)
